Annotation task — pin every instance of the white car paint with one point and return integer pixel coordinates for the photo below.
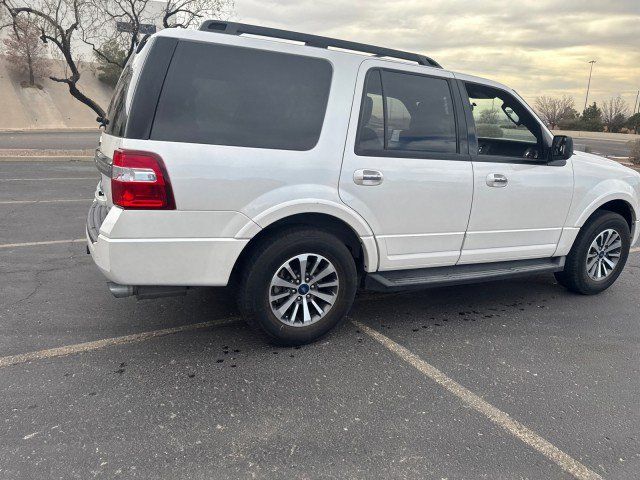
(419, 213)
(425, 213)
(522, 220)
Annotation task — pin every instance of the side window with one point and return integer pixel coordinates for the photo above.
(371, 130)
(406, 112)
(224, 95)
(504, 127)
(420, 113)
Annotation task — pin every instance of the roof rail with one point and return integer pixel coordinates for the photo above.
(232, 28)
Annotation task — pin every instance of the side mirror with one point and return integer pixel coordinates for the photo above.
(561, 150)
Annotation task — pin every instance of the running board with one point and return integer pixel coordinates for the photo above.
(459, 274)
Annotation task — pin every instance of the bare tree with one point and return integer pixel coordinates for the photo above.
(553, 109)
(58, 21)
(5, 19)
(24, 50)
(64, 23)
(614, 113)
(115, 48)
(187, 13)
(489, 115)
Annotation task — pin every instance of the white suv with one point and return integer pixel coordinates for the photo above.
(299, 172)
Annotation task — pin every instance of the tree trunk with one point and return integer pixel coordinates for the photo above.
(32, 80)
(73, 90)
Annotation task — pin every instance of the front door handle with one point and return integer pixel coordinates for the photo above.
(367, 177)
(497, 180)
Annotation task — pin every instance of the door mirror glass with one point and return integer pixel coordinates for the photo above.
(561, 148)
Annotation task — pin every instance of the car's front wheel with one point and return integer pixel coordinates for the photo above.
(598, 254)
(298, 285)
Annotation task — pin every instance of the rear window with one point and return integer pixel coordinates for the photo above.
(223, 95)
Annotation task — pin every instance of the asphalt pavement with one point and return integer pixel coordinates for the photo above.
(503, 380)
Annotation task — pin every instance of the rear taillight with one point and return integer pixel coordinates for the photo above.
(139, 180)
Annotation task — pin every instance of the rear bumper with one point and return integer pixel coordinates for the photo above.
(187, 262)
(159, 261)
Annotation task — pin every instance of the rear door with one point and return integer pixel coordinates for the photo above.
(406, 168)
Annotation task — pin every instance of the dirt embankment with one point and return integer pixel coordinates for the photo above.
(50, 106)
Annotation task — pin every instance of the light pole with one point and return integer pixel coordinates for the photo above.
(589, 84)
(634, 105)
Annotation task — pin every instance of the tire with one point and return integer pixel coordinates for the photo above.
(297, 325)
(576, 276)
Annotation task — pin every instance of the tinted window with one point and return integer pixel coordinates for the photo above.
(418, 114)
(117, 112)
(371, 132)
(224, 95)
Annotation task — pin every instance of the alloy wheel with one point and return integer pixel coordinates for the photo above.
(303, 290)
(603, 254)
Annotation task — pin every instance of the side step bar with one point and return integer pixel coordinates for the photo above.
(395, 280)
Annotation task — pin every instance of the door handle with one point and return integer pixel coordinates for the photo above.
(367, 177)
(497, 180)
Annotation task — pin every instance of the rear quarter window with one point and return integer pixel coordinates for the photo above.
(117, 112)
(225, 95)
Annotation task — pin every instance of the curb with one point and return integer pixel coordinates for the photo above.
(47, 158)
(51, 130)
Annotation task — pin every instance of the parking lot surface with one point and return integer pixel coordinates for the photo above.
(206, 397)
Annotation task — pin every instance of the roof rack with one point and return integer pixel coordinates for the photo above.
(232, 28)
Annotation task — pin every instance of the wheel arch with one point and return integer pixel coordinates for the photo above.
(362, 247)
(616, 204)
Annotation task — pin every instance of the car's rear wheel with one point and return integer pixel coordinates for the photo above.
(598, 254)
(298, 285)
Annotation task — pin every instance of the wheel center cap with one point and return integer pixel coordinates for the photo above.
(601, 254)
(303, 289)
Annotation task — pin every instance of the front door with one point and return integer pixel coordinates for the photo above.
(520, 202)
(406, 168)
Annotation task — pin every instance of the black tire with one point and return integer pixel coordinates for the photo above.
(264, 262)
(575, 276)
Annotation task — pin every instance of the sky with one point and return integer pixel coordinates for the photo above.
(536, 47)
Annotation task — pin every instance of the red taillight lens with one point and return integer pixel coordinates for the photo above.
(140, 180)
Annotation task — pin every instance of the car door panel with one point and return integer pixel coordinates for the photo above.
(520, 205)
(420, 210)
(418, 214)
(523, 219)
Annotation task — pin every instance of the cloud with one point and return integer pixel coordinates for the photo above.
(537, 47)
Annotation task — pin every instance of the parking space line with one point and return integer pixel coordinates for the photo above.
(500, 418)
(61, 200)
(109, 342)
(33, 244)
(46, 179)
(635, 250)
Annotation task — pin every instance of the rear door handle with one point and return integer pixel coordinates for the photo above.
(497, 180)
(367, 177)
